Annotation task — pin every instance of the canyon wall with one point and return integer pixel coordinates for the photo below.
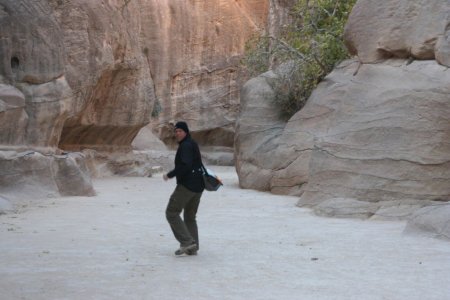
(194, 58)
(373, 139)
(81, 70)
(87, 76)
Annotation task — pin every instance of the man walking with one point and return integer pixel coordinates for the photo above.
(187, 194)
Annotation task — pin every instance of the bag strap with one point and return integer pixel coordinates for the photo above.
(199, 156)
(204, 169)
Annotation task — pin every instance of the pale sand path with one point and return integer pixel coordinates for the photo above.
(253, 246)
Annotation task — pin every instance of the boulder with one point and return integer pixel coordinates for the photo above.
(71, 175)
(129, 164)
(257, 130)
(146, 140)
(399, 28)
(31, 175)
(432, 220)
(379, 137)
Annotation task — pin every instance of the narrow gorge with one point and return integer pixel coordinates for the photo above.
(93, 88)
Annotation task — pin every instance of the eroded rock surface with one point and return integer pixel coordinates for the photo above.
(433, 220)
(32, 175)
(385, 133)
(380, 135)
(13, 114)
(107, 71)
(132, 164)
(105, 64)
(85, 74)
(72, 75)
(257, 130)
(399, 28)
(34, 87)
(35, 101)
(194, 58)
(372, 140)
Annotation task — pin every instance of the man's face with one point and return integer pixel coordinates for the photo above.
(180, 134)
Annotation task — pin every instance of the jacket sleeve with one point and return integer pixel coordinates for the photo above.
(185, 164)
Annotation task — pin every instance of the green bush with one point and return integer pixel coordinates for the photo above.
(312, 44)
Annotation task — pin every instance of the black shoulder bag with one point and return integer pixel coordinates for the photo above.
(212, 182)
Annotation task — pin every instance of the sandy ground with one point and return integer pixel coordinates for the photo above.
(253, 246)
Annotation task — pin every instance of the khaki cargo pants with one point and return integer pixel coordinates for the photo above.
(185, 230)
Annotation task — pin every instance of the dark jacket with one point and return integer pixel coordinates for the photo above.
(188, 162)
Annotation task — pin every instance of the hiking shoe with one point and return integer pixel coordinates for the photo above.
(192, 252)
(184, 250)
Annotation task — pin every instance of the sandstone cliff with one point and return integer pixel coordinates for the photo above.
(194, 59)
(372, 140)
(99, 67)
(86, 76)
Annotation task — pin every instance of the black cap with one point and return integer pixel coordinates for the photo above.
(182, 125)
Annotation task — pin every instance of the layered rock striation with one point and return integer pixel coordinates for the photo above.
(372, 140)
(194, 57)
(88, 75)
(418, 29)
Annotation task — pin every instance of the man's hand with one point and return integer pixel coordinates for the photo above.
(165, 177)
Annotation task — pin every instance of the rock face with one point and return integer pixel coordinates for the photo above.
(379, 144)
(372, 140)
(399, 28)
(33, 62)
(279, 16)
(194, 59)
(90, 71)
(14, 116)
(35, 101)
(107, 72)
(84, 79)
(31, 42)
(434, 220)
(380, 136)
(146, 140)
(85, 74)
